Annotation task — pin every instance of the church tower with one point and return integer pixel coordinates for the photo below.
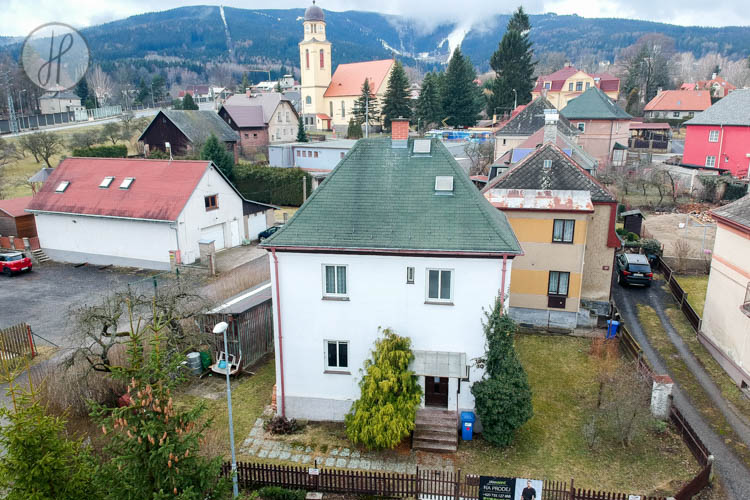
(314, 62)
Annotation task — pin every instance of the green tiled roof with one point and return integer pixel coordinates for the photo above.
(381, 197)
(594, 105)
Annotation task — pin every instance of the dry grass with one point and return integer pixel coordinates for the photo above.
(240, 279)
(289, 211)
(695, 286)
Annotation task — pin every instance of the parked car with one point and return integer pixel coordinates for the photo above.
(14, 262)
(268, 232)
(634, 269)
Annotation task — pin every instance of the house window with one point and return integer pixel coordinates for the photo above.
(287, 116)
(343, 109)
(278, 118)
(106, 182)
(713, 136)
(330, 109)
(337, 354)
(562, 230)
(588, 84)
(298, 153)
(675, 114)
(62, 187)
(410, 275)
(322, 64)
(547, 164)
(127, 182)
(579, 86)
(308, 100)
(315, 154)
(342, 155)
(307, 58)
(557, 289)
(211, 202)
(547, 85)
(570, 87)
(247, 136)
(334, 281)
(439, 285)
(710, 161)
(581, 126)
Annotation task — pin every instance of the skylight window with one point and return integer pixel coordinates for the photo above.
(127, 182)
(547, 164)
(106, 182)
(62, 187)
(444, 184)
(421, 146)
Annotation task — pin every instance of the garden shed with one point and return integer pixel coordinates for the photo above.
(632, 221)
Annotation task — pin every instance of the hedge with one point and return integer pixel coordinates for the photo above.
(115, 151)
(278, 186)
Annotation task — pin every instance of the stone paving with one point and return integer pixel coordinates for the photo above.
(262, 445)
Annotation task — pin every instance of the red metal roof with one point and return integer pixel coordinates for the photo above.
(15, 207)
(159, 192)
(680, 100)
(323, 116)
(348, 78)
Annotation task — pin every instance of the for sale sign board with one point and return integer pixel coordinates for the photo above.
(509, 488)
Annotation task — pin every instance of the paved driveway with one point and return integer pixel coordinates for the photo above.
(43, 297)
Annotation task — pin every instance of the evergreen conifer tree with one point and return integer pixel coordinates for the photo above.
(462, 99)
(188, 102)
(513, 66)
(396, 101)
(301, 133)
(429, 108)
(503, 396)
(384, 413)
(354, 131)
(216, 152)
(366, 105)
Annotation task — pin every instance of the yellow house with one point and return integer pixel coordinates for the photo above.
(564, 220)
(725, 329)
(327, 101)
(568, 83)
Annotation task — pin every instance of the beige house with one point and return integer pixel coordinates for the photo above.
(564, 220)
(59, 102)
(725, 329)
(327, 102)
(568, 83)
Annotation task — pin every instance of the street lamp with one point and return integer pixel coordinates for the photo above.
(20, 105)
(221, 328)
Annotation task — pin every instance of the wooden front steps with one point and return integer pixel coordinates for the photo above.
(436, 430)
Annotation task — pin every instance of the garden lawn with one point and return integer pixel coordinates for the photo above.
(551, 446)
(695, 287)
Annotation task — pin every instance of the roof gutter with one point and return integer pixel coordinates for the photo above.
(386, 251)
(97, 216)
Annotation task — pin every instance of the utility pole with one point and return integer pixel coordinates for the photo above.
(12, 121)
(20, 105)
(304, 190)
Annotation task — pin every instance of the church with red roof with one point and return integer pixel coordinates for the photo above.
(328, 99)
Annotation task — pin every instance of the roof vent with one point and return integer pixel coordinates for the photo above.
(106, 182)
(421, 146)
(127, 182)
(444, 184)
(62, 187)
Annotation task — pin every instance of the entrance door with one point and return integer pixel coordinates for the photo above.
(234, 228)
(436, 391)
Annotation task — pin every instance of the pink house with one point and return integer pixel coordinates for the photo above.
(720, 136)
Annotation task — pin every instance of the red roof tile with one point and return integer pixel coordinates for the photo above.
(348, 78)
(607, 82)
(15, 207)
(707, 84)
(680, 100)
(159, 192)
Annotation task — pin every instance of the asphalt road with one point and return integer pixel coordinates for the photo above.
(44, 297)
(734, 474)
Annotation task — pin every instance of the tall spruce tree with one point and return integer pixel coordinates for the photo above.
(301, 133)
(429, 108)
(513, 65)
(216, 152)
(503, 396)
(365, 107)
(461, 96)
(396, 102)
(189, 103)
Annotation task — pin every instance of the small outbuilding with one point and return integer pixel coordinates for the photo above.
(14, 220)
(632, 221)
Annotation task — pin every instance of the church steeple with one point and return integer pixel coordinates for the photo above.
(315, 61)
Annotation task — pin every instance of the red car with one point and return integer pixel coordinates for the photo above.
(14, 262)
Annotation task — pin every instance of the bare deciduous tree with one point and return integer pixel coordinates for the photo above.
(101, 84)
(481, 155)
(42, 145)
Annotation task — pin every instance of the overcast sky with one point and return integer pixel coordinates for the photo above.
(22, 16)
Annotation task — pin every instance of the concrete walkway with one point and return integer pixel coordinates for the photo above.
(734, 474)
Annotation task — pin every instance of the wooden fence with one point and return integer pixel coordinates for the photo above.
(430, 484)
(679, 294)
(16, 342)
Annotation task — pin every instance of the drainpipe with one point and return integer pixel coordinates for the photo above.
(278, 318)
(177, 239)
(721, 143)
(502, 284)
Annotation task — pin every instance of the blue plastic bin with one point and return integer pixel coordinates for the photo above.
(612, 327)
(467, 425)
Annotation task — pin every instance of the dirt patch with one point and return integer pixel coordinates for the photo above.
(666, 228)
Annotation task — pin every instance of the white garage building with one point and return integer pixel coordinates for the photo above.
(132, 212)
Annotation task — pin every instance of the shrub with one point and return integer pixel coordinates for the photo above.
(112, 151)
(632, 237)
(503, 396)
(282, 425)
(651, 246)
(384, 413)
(621, 231)
(279, 186)
(279, 493)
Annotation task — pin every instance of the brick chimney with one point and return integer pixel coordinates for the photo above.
(551, 117)
(399, 132)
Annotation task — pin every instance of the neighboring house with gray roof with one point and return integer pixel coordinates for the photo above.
(186, 131)
(726, 313)
(261, 120)
(59, 102)
(565, 220)
(525, 123)
(719, 137)
(396, 237)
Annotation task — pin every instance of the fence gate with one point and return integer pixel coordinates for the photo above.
(16, 342)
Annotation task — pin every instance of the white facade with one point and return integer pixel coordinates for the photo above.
(378, 295)
(145, 243)
(283, 124)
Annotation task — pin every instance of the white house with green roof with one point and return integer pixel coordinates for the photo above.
(396, 237)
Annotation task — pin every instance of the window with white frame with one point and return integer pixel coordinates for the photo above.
(710, 161)
(581, 126)
(713, 136)
(439, 285)
(562, 231)
(337, 355)
(675, 114)
(334, 281)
